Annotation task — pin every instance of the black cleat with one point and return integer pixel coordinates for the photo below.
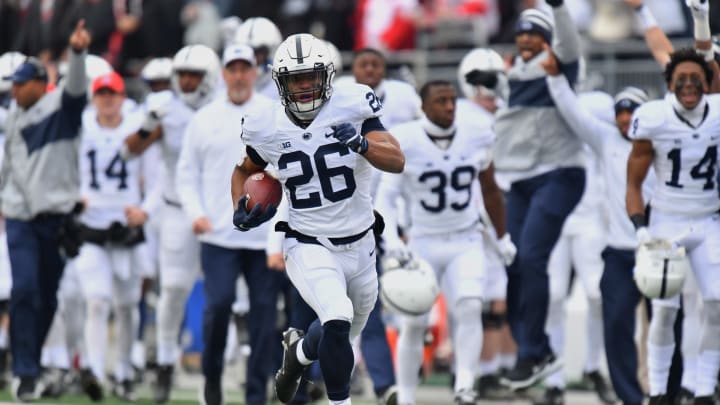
(163, 383)
(708, 400)
(598, 383)
(389, 396)
(553, 396)
(659, 400)
(212, 393)
(125, 390)
(287, 379)
(528, 372)
(55, 380)
(25, 389)
(684, 397)
(91, 385)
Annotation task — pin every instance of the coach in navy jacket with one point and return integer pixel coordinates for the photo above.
(40, 186)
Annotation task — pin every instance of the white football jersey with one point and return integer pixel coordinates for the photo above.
(108, 182)
(326, 184)
(173, 126)
(438, 184)
(685, 157)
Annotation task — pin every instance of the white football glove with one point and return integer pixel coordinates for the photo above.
(643, 235)
(507, 249)
(699, 8)
(396, 257)
(154, 117)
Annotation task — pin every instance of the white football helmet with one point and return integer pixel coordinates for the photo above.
(9, 61)
(201, 59)
(660, 269)
(303, 54)
(335, 56)
(482, 72)
(410, 289)
(263, 36)
(157, 69)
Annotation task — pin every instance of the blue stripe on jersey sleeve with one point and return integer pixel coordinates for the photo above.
(372, 124)
(59, 125)
(255, 156)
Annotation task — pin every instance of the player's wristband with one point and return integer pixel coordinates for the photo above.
(645, 18)
(701, 27)
(707, 54)
(638, 220)
(144, 133)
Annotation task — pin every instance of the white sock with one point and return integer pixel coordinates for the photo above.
(343, 402)
(170, 312)
(692, 327)
(73, 314)
(507, 360)
(3, 338)
(300, 353)
(659, 360)
(555, 328)
(708, 364)
(489, 367)
(96, 335)
(137, 357)
(594, 333)
(409, 357)
(468, 338)
(125, 328)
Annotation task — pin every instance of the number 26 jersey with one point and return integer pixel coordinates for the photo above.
(327, 185)
(685, 157)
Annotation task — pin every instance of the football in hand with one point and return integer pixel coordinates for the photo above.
(264, 189)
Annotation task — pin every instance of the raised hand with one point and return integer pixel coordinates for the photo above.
(80, 38)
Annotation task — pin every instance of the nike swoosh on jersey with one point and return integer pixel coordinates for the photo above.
(329, 135)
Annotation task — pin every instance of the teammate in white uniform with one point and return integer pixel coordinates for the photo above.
(483, 82)
(8, 63)
(264, 37)
(444, 159)
(108, 265)
(677, 136)
(324, 142)
(196, 70)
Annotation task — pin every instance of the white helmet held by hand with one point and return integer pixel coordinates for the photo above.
(410, 289)
(482, 72)
(660, 269)
(199, 59)
(302, 58)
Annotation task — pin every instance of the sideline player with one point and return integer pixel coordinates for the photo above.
(196, 70)
(324, 142)
(677, 136)
(444, 158)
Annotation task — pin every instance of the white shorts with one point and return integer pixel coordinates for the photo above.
(337, 282)
(701, 239)
(5, 273)
(458, 260)
(109, 273)
(582, 252)
(179, 250)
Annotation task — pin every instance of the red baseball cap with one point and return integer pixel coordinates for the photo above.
(111, 81)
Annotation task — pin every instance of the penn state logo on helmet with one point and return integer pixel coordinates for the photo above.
(660, 269)
(410, 289)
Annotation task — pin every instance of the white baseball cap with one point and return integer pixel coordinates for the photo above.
(238, 52)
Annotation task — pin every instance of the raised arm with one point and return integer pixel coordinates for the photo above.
(656, 40)
(700, 10)
(585, 125)
(567, 39)
(76, 84)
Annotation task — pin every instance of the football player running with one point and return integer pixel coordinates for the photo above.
(196, 71)
(325, 143)
(444, 158)
(677, 136)
(108, 265)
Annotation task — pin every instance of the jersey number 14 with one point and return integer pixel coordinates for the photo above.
(112, 171)
(704, 169)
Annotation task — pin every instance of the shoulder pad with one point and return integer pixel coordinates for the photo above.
(357, 101)
(647, 118)
(258, 125)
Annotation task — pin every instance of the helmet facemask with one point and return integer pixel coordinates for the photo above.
(304, 91)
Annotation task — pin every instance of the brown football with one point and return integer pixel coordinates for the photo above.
(264, 189)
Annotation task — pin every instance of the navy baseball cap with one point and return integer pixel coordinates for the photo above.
(31, 69)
